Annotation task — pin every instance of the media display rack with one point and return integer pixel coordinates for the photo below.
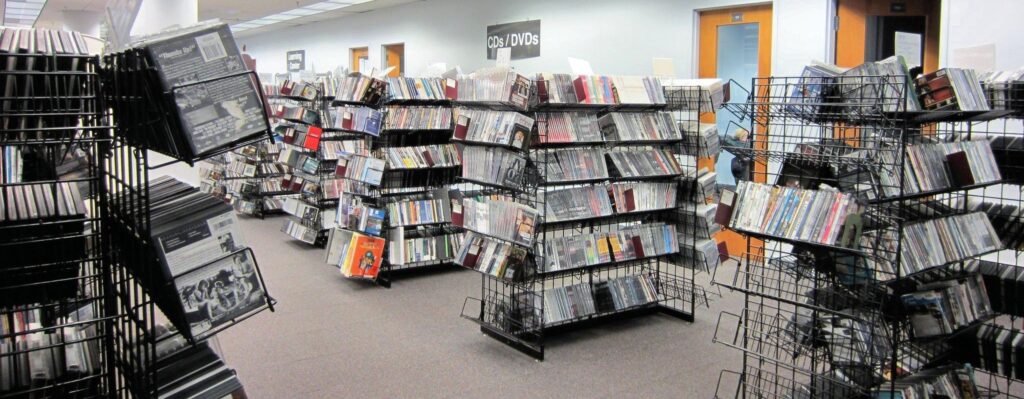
(621, 261)
(1002, 272)
(57, 307)
(422, 167)
(146, 295)
(901, 297)
(300, 119)
(247, 178)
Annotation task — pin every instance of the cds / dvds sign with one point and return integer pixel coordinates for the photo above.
(522, 37)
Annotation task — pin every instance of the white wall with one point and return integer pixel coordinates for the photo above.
(801, 34)
(154, 16)
(974, 23)
(617, 37)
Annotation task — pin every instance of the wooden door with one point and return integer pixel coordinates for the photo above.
(394, 56)
(715, 26)
(358, 56)
(853, 18)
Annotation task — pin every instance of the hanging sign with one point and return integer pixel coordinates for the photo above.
(522, 37)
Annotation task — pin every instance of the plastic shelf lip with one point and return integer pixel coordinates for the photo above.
(493, 105)
(343, 103)
(936, 268)
(508, 146)
(960, 331)
(610, 179)
(603, 315)
(822, 246)
(289, 97)
(425, 168)
(416, 130)
(492, 185)
(600, 266)
(605, 218)
(936, 192)
(419, 101)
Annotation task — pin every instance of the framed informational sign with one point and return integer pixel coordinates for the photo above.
(296, 60)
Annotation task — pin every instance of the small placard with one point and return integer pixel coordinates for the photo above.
(296, 60)
(737, 17)
(664, 67)
(504, 58)
(908, 45)
(580, 67)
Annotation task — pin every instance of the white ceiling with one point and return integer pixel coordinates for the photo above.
(231, 11)
(234, 11)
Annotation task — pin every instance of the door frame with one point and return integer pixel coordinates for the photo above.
(848, 25)
(353, 61)
(707, 66)
(384, 57)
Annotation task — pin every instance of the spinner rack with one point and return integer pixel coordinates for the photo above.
(126, 208)
(56, 283)
(1003, 127)
(314, 198)
(826, 320)
(372, 195)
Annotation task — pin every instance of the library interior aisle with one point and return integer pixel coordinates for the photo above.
(408, 344)
(765, 199)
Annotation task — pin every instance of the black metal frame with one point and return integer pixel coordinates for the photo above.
(512, 311)
(56, 265)
(319, 106)
(791, 289)
(149, 112)
(403, 178)
(126, 208)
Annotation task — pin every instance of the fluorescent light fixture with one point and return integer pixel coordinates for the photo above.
(22, 13)
(279, 17)
(325, 6)
(300, 12)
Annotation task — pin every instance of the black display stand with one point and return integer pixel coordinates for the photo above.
(55, 282)
(512, 310)
(827, 320)
(126, 197)
(408, 184)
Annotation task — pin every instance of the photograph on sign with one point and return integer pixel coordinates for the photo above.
(523, 38)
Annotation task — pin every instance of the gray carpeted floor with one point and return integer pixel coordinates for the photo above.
(337, 338)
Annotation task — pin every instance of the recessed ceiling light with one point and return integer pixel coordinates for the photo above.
(300, 12)
(22, 13)
(325, 6)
